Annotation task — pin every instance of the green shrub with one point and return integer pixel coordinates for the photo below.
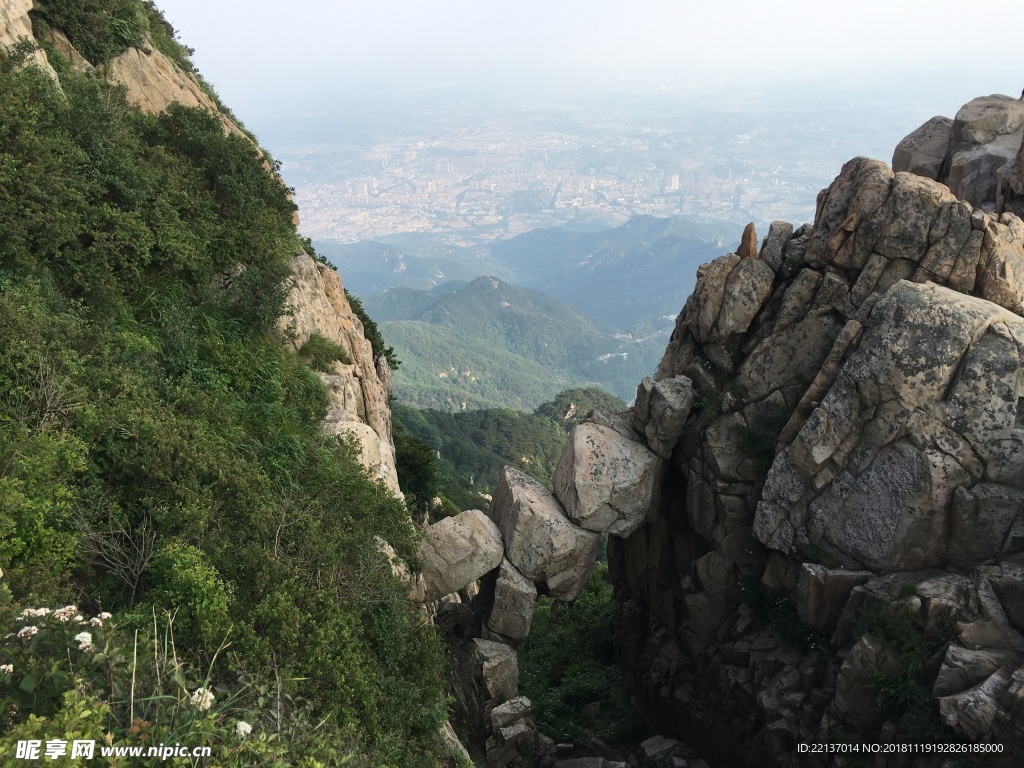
(759, 440)
(181, 578)
(777, 609)
(320, 353)
(91, 679)
(99, 29)
(905, 697)
(165, 37)
(416, 464)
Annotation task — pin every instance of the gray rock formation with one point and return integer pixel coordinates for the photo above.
(606, 482)
(843, 507)
(514, 600)
(907, 425)
(540, 541)
(458, 550)
(499, 669)
(977, 155)
(661, 411)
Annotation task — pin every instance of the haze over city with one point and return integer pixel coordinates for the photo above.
(480, 121)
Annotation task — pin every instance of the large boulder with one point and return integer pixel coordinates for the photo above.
(821, 594)
(729, 293)
(977, 155)
(773, 248)
(661, 410)
(459, 550)
(924, 150)
(606, 482)
(499, 669)
(514, 599)
(540, 541)
(986, 135)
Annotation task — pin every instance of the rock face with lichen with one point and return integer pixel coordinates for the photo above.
(835, 550)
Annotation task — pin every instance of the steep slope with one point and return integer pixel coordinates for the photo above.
(163, 458)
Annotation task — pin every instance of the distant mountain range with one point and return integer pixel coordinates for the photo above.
(641, 270)
(511, 323)
(487, 343)
(619, 277)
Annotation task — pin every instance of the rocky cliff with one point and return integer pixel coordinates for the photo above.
(837, 554)
(359, 389)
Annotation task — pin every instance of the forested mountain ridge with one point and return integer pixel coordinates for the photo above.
(171, 357)
(492, 344)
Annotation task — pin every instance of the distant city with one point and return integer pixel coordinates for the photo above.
(473, 175)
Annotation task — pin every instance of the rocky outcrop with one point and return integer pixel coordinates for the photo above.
(358, 394)
(907, 430)
(16, 26)
(457, 551)
(153, 82)
(540, 541)
(977, 155)
(842, 509)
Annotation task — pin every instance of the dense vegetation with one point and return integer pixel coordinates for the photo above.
(488, 344)
(474, 445)
(160, 450)
(569, 672)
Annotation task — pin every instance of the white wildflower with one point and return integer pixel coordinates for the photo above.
(201, 699)
(79, 619)
(8, 669)
(84, 640)
(243, 729)
(95, 621)
(33, 613)
(66, 614)
(104, 615)
(27, 632)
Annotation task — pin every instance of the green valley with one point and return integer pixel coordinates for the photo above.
(491, 344)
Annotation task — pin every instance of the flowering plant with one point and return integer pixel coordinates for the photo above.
(31, 677)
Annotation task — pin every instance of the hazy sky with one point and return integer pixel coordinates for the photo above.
(265, 56)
